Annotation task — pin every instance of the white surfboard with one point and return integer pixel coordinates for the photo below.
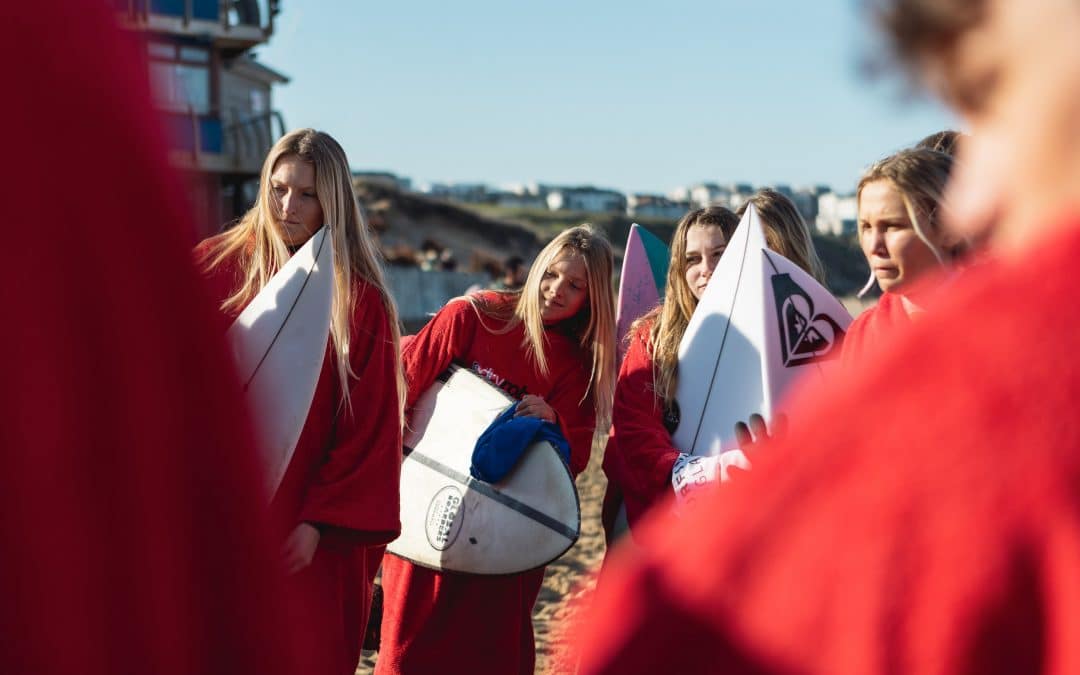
(279, 343)
(452, 522)
(762, 324)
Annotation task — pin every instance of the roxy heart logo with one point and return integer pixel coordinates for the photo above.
(805, 337)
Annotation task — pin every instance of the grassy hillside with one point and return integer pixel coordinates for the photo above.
(486, 232)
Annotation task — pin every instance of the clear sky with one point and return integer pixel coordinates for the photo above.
(635, 96)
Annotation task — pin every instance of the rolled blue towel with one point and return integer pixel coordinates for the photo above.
(504, 441)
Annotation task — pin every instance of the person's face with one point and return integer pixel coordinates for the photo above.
(564, 288)
(704, 246)
(895, 253)
(1015, 79)
(295, 203)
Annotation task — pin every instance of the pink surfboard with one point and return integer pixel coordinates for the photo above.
(641, 284)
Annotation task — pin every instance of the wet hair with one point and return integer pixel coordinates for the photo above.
(919, 176)
(670, 319)
(785, 230)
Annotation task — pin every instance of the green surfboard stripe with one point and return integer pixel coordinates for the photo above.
(659, 255)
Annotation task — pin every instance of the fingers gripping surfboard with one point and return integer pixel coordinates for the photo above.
(453, 522)
(279, 343)
(641, 283)
(761, 325)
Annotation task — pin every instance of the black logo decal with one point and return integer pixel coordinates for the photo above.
(805, 337)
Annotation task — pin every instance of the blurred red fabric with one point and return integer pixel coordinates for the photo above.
(132, 535)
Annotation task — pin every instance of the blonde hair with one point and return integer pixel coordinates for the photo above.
(670, 319)
(593, 326)
(785, 230)
(261, 250)
(919, 176)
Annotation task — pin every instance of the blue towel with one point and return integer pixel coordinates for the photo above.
(504, 441)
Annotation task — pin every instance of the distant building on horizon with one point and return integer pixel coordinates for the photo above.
(837, 214)
(655, 206)
(213, 95)
(587, 199)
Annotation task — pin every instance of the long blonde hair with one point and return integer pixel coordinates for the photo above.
(670, 319)
(919, 176)
(785, 230)
(593, 326)
(261, 250)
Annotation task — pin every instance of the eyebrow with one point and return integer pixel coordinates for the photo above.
(278, 183)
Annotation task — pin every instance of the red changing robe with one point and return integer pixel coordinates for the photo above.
(927, 520)
(344, 474)
(435, 622)
(641, 455)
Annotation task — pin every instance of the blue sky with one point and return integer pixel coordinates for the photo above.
(634, 96)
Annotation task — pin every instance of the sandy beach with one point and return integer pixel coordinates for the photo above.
(566, 581)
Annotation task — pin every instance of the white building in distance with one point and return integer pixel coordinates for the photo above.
(837, 214)
(587, 199)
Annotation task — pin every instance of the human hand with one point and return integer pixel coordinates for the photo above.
(534, 406)
(299, 549)
(750, 437)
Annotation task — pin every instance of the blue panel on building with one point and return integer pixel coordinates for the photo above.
(207, 10)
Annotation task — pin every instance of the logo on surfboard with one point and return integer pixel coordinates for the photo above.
(444, 518)
(805, 337)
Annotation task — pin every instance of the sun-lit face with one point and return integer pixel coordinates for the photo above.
(564, 288)
(292, 191)
(895, 253)
(704, 246)
(1015, 79)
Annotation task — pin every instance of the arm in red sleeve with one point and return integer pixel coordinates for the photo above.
(646, 451)
(356, 488)
(429, 353)
(577, 417)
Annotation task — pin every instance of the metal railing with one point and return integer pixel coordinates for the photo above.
(229, 13)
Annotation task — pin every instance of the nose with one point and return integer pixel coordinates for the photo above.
(288, 200)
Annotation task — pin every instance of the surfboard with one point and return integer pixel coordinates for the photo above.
(642, 281)
(453, 522)
(761, 325)
(279, 343)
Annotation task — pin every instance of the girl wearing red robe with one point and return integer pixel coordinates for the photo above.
(338, 501)
(551, 347)
(901, 235)
(641, 460)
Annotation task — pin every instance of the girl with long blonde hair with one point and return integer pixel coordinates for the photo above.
(901, 233)
(337, 504)
(641, 461)
(551, 346)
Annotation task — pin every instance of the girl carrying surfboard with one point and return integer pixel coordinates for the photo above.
(551, 347)
(337, 503)
(901, 235)
(641, 457)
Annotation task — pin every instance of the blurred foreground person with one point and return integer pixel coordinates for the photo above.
(927, 519)
(130, 519)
